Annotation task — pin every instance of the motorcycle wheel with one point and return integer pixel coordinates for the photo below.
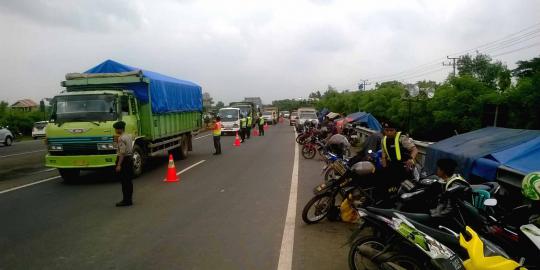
(300, 139)
(319, 205)
(330, 174)
(358, 260)
(308, 152)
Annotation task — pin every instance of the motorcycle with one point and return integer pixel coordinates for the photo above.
(400, 239)
(311, 147)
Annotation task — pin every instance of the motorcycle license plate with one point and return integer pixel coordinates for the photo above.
(320, 187)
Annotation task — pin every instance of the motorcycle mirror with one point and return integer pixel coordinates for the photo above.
(490, 202)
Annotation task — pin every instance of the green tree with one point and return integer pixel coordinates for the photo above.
(220, 105)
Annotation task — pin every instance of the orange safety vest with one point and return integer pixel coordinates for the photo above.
(217, 129)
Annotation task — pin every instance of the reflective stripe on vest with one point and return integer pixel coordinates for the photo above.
(455, 177)
(217, 129)
(396, 145)
(243, 123)
(249, 121)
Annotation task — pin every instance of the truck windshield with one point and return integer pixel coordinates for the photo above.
(85, 108)
(228, 115)
(308, 116)
(244, 110)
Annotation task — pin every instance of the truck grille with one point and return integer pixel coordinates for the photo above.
(80, 146)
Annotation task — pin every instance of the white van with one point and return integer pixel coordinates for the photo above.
(230, 120)
(39, 129)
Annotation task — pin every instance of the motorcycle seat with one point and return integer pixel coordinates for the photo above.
(446, 238)
(420, 217)
(490, 187)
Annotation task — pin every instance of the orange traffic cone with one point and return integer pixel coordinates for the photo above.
(236, 140)
(265, 126)
(255, 132)
(171, 171)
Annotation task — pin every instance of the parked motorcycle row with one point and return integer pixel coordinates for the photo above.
(397, 228)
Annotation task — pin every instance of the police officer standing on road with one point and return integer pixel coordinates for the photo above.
(248, 125)
(261, 125)
(124, 162)
(243, 127)
(216, 132)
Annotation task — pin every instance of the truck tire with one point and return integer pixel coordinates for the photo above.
(184, 147)
(69, 175)
(138, 160)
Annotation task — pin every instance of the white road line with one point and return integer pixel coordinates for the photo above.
(190, 167)
(24, 153)
(31, 184)
(287, 242)
(202, 136)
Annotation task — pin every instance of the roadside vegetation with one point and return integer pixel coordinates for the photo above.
(482, 90)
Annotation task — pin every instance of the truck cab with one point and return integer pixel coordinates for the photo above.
(80, 132)
(230, 120)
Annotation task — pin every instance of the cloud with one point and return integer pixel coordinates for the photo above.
(272, 49)
(96, 15)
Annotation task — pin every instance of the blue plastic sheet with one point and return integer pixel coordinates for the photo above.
(482, 151)
(167, 94)
(524, 157)
(364, 117)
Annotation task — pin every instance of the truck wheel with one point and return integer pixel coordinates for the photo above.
(184, 147)
(138, 160)
(69, 175)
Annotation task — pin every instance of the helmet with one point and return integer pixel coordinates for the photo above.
(530, 187)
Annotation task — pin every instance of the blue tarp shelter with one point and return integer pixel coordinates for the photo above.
(364, 117)
(167, 94)
(482, 152)
(322, 114)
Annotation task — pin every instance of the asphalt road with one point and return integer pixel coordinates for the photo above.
(228, 212)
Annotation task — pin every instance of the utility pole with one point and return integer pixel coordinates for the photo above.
(362, 85)
(453, 64)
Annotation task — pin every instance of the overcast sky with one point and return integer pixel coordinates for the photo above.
(272, 49)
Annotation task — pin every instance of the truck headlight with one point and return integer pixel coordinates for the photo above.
(56, 147)
(105, 146)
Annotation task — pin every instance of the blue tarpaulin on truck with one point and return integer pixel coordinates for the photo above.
(167, 94)
(482, 152)
(364, 117)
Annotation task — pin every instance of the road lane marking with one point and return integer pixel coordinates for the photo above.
(190, 167)
(31, 184)
(202, 136)
(24, 153)
(287, 242)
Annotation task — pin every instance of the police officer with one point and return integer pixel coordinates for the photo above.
(243, 127)
(124, 162)
(398, 154)
(216, 131)
(248, 125)
(261, 125)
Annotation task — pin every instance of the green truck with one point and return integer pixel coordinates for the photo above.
(162, 113)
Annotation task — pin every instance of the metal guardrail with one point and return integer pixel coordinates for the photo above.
(504, 174)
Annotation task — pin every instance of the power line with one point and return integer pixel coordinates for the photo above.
(518, 49)
(363, 85)
(493, 45)
(453, 64)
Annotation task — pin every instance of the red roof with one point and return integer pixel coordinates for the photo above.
(24, 103)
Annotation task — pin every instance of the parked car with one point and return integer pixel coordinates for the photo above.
(6, 137)
(39, 129)
(293, 118)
